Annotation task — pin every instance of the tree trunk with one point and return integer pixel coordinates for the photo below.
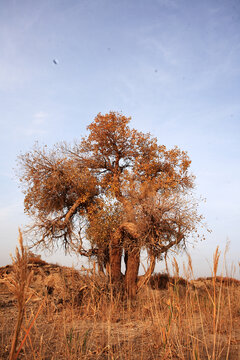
(131, 275)
(103, 260)
(145, 278)
(115, 259)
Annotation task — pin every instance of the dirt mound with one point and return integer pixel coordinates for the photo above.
(162, 281)
(222, 280)
(59, 284)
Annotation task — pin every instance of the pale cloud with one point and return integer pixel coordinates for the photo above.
(32, 131)
(168, 3)
(39, 118)
(40, 115)
(6, 212)
(12, 76)
(37, 126)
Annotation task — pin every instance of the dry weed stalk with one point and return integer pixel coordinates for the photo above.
(216, 302)
(18, 285)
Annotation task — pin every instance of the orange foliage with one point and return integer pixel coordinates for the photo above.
(114, 175)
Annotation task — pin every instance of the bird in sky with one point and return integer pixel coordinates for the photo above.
(55, 61)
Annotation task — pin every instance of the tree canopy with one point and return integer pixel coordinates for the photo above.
(117, 189)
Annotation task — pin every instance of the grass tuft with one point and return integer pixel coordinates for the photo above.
(68, 314)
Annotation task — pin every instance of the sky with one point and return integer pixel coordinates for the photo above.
(173, 66)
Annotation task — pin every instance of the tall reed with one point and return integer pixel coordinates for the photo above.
(18, 284)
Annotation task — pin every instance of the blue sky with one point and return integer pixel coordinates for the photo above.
(172, 65)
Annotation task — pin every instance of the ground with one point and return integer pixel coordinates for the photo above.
(81, 317)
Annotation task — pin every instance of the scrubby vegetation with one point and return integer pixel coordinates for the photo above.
(70, 314)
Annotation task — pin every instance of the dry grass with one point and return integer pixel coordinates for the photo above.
(83, 319)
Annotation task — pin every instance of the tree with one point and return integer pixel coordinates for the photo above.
(116, 188)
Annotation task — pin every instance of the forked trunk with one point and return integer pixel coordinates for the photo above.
(131, 275)
(115, 260)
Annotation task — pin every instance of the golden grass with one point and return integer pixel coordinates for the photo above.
(83, 319)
